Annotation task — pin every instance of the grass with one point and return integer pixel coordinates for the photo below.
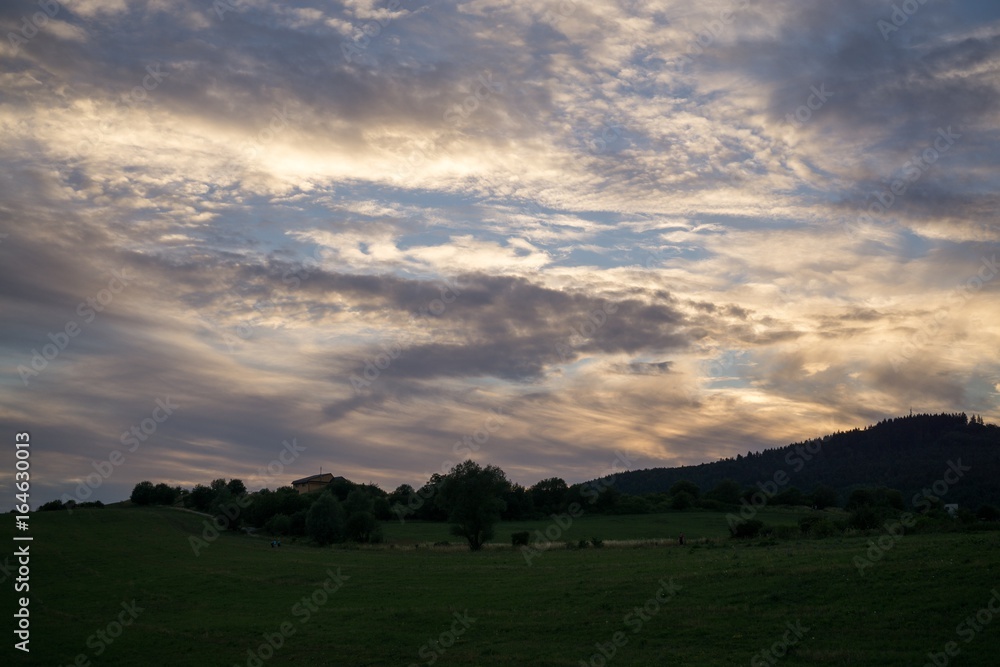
(734, 599)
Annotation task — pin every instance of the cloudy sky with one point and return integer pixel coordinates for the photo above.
(395, 233)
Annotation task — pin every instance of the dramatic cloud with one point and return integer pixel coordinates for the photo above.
(681, 231)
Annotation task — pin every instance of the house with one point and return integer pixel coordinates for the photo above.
(315, 482)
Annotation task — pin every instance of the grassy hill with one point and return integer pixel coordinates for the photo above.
(734, 601)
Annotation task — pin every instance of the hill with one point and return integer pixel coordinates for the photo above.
(906, 453)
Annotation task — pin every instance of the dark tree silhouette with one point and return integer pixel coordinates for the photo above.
(473, 497)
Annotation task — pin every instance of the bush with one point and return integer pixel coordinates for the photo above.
(597, 542)
(325, 520)
(582, 544)
(279, 524)
(519, 539)
(806, 523)
(785, 532)
(681, 500)
(824, 528)
(299, 522)
(51, 506)
(746, 529)
(363, 527)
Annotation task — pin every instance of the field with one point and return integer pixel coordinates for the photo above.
(721, 603)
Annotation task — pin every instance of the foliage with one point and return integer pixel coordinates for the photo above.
(473, 497)
(143, 493)
(325, 520)
(52, 505)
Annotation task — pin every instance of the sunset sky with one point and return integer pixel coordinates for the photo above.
(559, 230)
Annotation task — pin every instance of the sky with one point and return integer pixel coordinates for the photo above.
(255, 239)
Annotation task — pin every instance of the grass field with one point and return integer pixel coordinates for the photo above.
(730, 601)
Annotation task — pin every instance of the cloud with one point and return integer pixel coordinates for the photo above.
(647, 224)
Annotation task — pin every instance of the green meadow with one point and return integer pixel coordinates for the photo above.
(124, 587)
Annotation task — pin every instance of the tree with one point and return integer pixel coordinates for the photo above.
(685, 485)
(790, 496)
(325, 520)
(164, 494)
(363, 527)
(236, 487)
(473, 497)
(548, 495)
(144, 493)
(201, 497)
(681, 500)
(727, 491)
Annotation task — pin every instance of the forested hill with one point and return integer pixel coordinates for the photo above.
(905, 453)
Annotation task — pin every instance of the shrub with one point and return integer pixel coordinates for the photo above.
(279, 524)
(52, 505)
(519, 539)
(582, 544)
(325, 520)
(824, 528)
(597, 542)
(785, 532)
(681, 500)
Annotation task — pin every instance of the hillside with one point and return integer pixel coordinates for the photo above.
(905, 453)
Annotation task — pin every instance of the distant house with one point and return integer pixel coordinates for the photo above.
(315, 482)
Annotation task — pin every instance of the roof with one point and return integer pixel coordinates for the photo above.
(321, 477)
